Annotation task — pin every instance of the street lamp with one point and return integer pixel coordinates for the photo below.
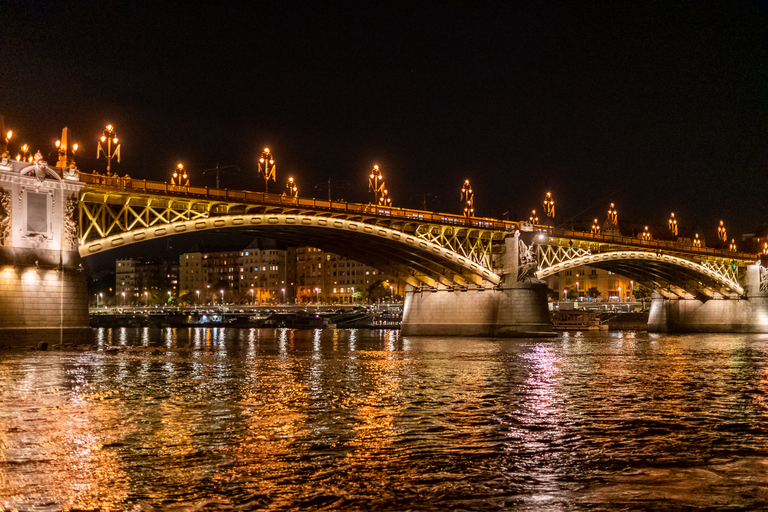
(198, 296)
(721, 232)
(222, 297)
(65, 151)
(595, 227)
(267, 168)
(673, 224)
(533, 218)
(24, 155)
(765, 247)
(109, 137)
(696, 241)
(613, 215)
(146, 299)
(384, 200)
(123, 293)
(317, 295)
(549, 206)
(251, 294)
(646, 236)
(283, 289)
(468, 199)
(376, 183)
(733, 245)
(180, 176)
(291, 190)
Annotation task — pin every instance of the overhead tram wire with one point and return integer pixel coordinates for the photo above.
(593, 205)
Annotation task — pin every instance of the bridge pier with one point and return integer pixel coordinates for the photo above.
(726, 315)
(517, 310)
(512, 309)
(43, 288)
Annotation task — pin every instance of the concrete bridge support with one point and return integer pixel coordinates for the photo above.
(513, 309)
(43, 288)
(745, 314)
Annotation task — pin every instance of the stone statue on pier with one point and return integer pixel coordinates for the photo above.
(5, 217)
(526, 263)
(70, 224)
(763, 279)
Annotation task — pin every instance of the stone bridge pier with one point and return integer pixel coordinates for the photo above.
(747, 314)
(514, 308)
(42, 283)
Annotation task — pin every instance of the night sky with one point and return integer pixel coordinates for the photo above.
(656, 106)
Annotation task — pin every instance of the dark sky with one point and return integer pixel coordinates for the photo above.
(656, 106)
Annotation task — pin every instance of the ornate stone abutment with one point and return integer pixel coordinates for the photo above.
(43, 288)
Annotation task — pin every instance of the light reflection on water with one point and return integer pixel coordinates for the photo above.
(253, 418)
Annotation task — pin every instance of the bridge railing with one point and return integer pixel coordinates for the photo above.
(128, 184)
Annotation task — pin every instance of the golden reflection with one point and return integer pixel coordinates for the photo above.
(66, 446)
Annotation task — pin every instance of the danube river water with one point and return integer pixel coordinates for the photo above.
(248, 419)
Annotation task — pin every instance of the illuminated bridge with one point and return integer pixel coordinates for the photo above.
(467, 275)
(420, 247)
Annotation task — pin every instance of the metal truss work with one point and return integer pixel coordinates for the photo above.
(414, 260)
(672, 274)
(121, 207)
(722, 268)
(102, 219)
(549, 255)
(474, 244)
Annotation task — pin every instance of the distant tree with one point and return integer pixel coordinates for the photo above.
(593, 292)
(642, 292)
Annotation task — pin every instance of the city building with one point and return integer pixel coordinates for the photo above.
(145, 281)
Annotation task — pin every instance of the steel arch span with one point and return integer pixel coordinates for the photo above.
(416, 261)
(670, 275)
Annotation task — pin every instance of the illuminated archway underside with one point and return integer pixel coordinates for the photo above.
(669, 275)
(412, 259)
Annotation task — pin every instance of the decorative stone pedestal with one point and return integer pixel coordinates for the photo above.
(43, 287)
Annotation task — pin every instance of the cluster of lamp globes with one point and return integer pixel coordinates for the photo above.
(108, 135)
(25, 153)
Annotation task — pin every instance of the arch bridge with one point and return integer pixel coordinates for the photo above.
(424, 249)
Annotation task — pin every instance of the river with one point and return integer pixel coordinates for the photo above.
(277, 419)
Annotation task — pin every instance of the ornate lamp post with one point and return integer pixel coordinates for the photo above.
(376, 184)
(673, 224)
(109, 137)
(180, 176)
(696, 241)
(468, 199)
(613, 215)
(595, 227)
(646, 236)
(291, 190)
(66, 149)
(549, 206)
(267, 168)
(533, 219)
(721, 233)
(733, 245)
